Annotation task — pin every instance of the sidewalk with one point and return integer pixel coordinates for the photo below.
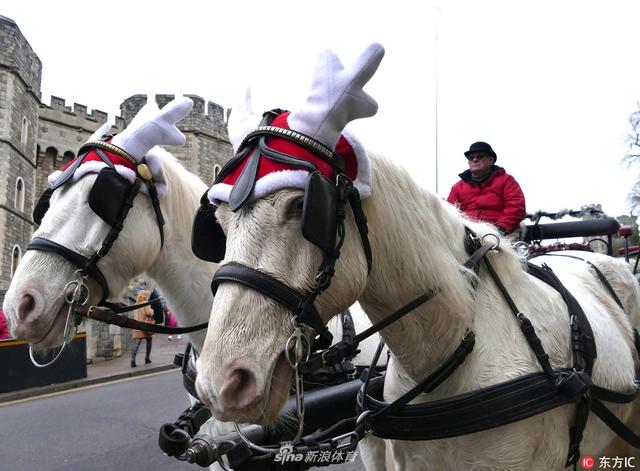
(102, 371)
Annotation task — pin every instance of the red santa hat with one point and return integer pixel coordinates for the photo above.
(136, 144)
(336, 98)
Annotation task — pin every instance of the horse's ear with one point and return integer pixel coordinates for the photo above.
(101, 131)
(242, 120)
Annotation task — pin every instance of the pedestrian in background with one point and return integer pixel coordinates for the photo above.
(143, 314)
(4, 328)
(158, 307)
(172, 322)
(487, 192)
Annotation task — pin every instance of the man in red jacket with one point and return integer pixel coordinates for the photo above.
(486, 192)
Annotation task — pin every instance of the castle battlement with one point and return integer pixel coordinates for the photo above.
(206, 117)
(79, 110)
(76, 115)
(55, 132)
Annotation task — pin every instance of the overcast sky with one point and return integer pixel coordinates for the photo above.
(549, 84)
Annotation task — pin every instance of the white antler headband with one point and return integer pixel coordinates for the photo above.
(152, 127)
(242, 120)
(149, 128)
(337, 96)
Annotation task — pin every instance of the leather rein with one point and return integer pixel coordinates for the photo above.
(112, 315)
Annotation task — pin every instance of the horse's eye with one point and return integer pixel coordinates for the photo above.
(294, 210)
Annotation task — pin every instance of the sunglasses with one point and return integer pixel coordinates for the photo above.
(477, 156)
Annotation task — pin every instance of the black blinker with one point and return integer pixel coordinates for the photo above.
(319, 222)
(108, 195)
(243, 187)
(208, 241)
(41, 207)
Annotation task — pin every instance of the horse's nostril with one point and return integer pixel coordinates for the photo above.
(239, 389)
(26, 306)
(243, 379)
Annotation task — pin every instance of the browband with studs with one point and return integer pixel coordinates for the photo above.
(305, 141)
(142, 169)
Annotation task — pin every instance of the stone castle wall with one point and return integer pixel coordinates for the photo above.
(61, 131)
(17, 55)
(207, 141)
(20, 78)
(36, 139)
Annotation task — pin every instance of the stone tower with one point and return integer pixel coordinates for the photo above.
(35, 139)
(61, 131)
(207, 148)
(20, 74)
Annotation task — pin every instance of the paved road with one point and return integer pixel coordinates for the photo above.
(112, 426)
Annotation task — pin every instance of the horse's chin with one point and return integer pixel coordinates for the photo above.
(52, 336)
(264, 410)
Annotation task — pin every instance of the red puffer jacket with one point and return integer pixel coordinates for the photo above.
(498, 199)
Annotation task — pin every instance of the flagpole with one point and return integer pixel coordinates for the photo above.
(435, 72)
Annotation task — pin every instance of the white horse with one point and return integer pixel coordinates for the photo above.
(417, 242)
(35, 299)
(35, 304)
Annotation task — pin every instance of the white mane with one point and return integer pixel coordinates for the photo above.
(177, 272)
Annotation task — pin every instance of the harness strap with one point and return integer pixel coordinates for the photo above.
(155, 202)
(506, 402)
(268, 286)
(80, 261)
(478, 254)
(109, 316)
(613, 396)
(490, 407)
(431, 382)
(601, 277)
(598, 394)
(361, 224)
(525, 324)
(614, 423)
(346, 349)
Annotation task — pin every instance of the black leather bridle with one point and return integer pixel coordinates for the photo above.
(113, 207)
(320, 193)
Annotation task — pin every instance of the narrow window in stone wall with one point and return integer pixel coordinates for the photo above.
(51, 159)
(18, 202)
(16, 255)
(67, 157)
(216, 171)
(24, 133)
